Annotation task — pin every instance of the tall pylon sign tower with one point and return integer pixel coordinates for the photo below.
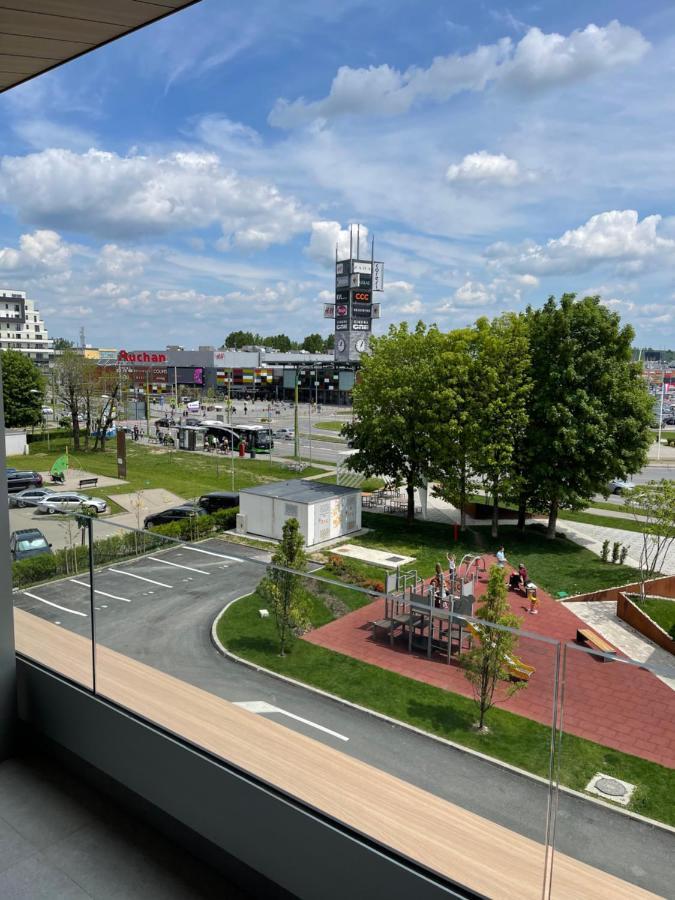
(356, 279)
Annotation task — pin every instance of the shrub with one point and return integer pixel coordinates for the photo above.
(54, 435)
(29, 571)
(623, 554)
(616, 550)
(604, 556)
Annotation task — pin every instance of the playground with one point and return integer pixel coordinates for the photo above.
(413, 632)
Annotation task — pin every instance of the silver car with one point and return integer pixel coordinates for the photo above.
(71, 502)
(29, 496)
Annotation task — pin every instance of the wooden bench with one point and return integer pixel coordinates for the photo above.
(585, 635)
(88, 482)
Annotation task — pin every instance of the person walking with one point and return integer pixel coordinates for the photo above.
(452, 569)
(501, 558)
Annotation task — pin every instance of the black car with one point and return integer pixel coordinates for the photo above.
(28, 542)
(18, 481)
(174, 514)
(9, 470)
(192, 421)
(218, 500)
(165, 423)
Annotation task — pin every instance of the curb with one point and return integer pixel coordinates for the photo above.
(491, 760)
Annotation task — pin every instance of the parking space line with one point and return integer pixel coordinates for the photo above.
(177, 565)
(211, 553)
(140, 577)
(102, 593)
(49, 603)
(261, 707)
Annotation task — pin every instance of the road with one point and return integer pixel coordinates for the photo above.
(160, 609)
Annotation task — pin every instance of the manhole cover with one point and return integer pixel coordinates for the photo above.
(395, 558)
(611, 787)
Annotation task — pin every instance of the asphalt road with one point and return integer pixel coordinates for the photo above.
(160, 609)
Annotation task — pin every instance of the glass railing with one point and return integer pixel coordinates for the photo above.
(245, 660)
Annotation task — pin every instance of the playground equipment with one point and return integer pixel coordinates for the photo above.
(517, 669)
(57, 473)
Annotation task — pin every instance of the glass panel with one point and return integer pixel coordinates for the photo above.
(617, 754)
(52, 610)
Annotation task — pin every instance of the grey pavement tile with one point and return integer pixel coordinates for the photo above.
(121, 859)
(43, 803)
(35, 879)
(13, 847)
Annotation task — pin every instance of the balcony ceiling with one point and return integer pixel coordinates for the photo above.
(38, 35)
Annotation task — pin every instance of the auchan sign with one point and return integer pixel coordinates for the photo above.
(141, 357)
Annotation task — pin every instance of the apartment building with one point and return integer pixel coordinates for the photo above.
(22, 327)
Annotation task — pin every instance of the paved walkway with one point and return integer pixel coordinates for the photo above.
(602, 617)
(619, 706)
(592, 537)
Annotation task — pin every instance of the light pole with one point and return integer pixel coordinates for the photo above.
(663, 392)
(296, 435)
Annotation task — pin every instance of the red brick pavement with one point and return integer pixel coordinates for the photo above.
(616, 704)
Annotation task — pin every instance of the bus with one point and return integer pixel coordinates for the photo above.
(257, 437)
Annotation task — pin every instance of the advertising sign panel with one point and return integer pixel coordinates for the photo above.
(359, 267)
(362, 310)
(342, 281)
(329, 310)
(342, 296)
(340, 269)
(342, 311)
(361, 325)
(342, 324)
(361, 296)
(378, 276)
(376, 310)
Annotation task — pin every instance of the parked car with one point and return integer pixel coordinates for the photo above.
(216, 500)
(19, 481)
(286, 434)
(192, 421)
(668, 420)
(29, 497)
(165, 423)
(27, 542)
(174, 514)
(619, 486)
(9, 470)
(71, 502)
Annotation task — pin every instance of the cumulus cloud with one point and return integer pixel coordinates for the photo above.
(484, 167)
(36, 251)
(415, 306)
(617, 236)
(113, 196)
(326, 234)
(120, 263)
(537, 61)
(474, 293)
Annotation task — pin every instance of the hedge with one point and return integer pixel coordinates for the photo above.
(55, 434)
(117, 547)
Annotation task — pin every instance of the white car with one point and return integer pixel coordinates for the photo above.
(286, 434)
(619, 486)
(71, 502)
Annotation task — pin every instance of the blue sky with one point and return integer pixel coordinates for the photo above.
(193, 178)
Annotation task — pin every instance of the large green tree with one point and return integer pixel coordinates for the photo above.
(395, 407)
(590, 411)
(313, 343)
(23, 389)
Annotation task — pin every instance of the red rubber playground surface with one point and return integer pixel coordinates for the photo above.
(618, 705)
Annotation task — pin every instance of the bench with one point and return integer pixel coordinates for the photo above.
(88, 482)
(585, 635)
(297, 467)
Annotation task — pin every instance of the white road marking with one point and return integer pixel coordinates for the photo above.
(102, 593)
(211, 553)
(261, 707)
(177, 565)
(49, 603)
(140, 577)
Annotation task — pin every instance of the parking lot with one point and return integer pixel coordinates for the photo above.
(152, 607)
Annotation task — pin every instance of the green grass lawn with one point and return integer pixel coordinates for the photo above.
(559, 565)
(324, 438)
(622, 522)
(331, 426)
(185, 474)
(369, 484)
(513, 739)
(660, 611)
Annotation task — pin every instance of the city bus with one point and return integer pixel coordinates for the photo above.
(257, 437)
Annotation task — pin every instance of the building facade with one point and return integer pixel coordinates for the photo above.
(22, 328)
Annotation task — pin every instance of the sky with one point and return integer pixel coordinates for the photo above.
(194, 177)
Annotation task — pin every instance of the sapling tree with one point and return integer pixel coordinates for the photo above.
(487, 663)
(283, 590)
(653, 506)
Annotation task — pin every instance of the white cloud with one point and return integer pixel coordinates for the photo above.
(41, 133)
(474, 293)
(527, 280)
(415, 306)
(537, 61)
(326, 235)
(39, 250)
(120, 263)
(484, 167)
(108, 195)
(617, 236)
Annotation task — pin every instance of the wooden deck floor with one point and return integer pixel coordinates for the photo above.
(451, 841)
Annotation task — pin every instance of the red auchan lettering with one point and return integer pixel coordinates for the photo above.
(141, 356)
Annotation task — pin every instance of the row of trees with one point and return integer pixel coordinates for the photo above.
(541, 408)
(23, 389)
(313, 343)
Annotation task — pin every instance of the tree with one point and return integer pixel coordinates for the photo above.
(280, 342)
(72, 372)
(590, 412)
(329, 343)
(313, 343)
(653, 506)
(237, 339)
(502, 364)
(485, 665)
(283, 590)
(22, 389)
(395, 412)
(61, 343)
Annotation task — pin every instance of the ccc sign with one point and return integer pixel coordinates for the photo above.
(364, 297)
